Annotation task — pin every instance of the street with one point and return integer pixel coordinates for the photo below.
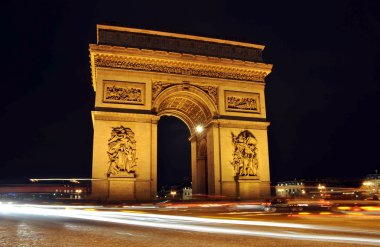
(208, 225)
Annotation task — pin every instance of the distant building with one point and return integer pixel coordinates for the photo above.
(187, 193)
(371, 184)
(290, 188)
(42, 191)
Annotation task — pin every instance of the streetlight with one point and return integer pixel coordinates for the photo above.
(321, 187)
(173, 193)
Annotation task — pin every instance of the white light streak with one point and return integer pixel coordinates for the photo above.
(182, 223)
(64, 179)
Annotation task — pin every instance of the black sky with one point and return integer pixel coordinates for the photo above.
(322, 96)
(174, 160)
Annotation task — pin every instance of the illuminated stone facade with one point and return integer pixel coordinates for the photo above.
(141, 75)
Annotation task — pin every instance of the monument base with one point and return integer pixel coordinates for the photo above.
(121, 188)
(117, 188)
(122, 175)
(250, 187)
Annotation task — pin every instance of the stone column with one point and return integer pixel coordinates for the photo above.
(122, 185)
(194, 166)
(213, 159)
(244, 186)
(154, 157)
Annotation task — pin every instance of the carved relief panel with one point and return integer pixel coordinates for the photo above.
(122, 152)
(244, 155)
(242, 102)
(124, 92)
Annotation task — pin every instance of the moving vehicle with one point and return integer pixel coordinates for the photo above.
(283, 205)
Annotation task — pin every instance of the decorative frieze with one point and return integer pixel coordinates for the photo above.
(122, 152)
(178, 67)
(244, 160)
(242, 102)
(123, 92)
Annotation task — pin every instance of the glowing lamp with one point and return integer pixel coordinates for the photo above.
(199, 129)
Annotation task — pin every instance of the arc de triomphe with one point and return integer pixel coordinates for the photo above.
(216, 87)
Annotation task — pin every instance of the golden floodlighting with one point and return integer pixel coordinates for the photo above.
(141, 75)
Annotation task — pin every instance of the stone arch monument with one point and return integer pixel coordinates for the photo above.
(141, 75)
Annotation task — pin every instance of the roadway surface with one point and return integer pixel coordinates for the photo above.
(180, 225)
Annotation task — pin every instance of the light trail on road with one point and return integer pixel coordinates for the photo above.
(198, 224)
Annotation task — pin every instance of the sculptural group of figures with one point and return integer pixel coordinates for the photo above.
(121, 151)
(245, 154)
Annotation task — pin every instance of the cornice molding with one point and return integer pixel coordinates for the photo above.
(239, 124)
(175, 67)
(103, 56)
(126, 117)
(129, 51)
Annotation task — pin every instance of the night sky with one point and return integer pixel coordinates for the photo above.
(322, 95)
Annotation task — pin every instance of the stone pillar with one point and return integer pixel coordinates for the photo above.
(201, 175)
(194, 165)
(202, 165)
(154, 157)
(248, 188)
(213, 159)
(140, 184)
(99, 189)
(121, 189)
(244, 186)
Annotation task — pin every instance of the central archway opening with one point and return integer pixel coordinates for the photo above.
(174, 154)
